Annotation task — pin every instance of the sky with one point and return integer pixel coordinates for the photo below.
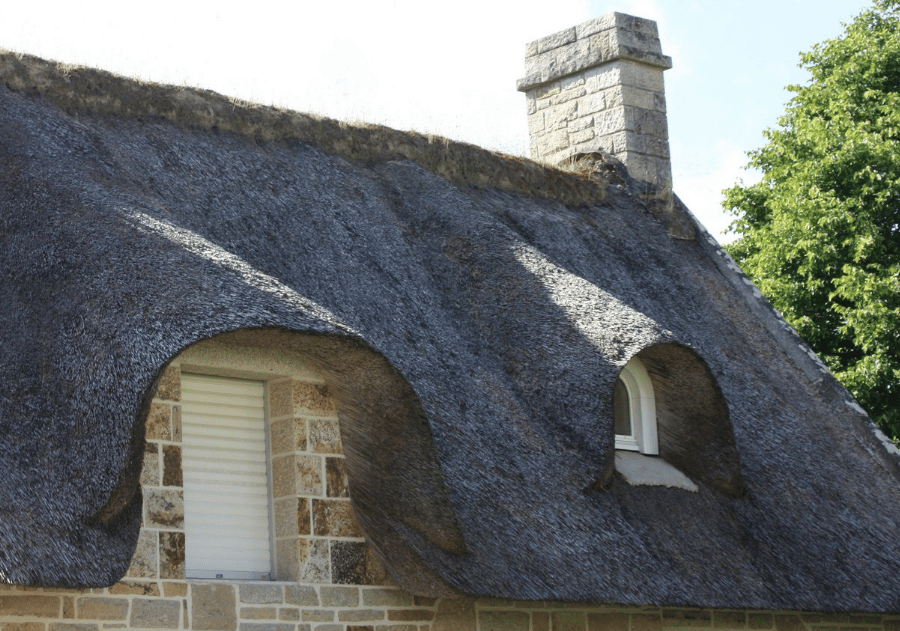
(450, 68)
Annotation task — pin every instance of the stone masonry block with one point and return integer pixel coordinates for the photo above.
(279, 393)
(261, 594)
(361, 615)
(336, 477)
(644, 77)
(172, 465)
(633, 23)
(287, 565)
(607, 622)
(617, 143)
(556, 40)
(339, 596)
(568, 621)
(267, 626)
(311, 398)
(602, 23)
(22, 626)
(34, 606)
(308, 471)
(644, 99)
(301, 595)
(176, 423)
(284, 479)
(334, 518)
(530, 105)
(171, 555)
(649, 169)
(687, 618)
(455, 615)
(581, 137)
(547, 92)
(325, 436)
(174, 589)
(580, 124)
(150, 468)
(592, 103)
(540, 621)
(314, 561)
(602, 47)
(385, 597)
(611, 121)
(68, 607)
(64, 626)
(159, 422)
(568, 95)
(783, 622)
(317, 615)
(213, 608)
(169, 386)
(288, 613)
(760, 621)
(503, 620)
(559, 117)
(288, 435)
(573, 56)
(145, 559)
(636, 40)
(136, 588)
(102, 608)
(154, 613)
(354, 563)
(292, 517)
(411, 615)
(281, 436)
(646, 622)
(164, 508)
(571, 83)
(650, 123)
(531, 49)
(536, 123)
(729, 619)
(258, 613)
(603, 77)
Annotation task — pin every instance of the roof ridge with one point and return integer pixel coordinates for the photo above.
(85, 89)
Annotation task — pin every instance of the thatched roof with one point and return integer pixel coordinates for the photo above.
(471, 313)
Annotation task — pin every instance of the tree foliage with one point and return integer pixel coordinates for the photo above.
(820, 233)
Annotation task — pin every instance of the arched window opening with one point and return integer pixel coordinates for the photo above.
(634, 410)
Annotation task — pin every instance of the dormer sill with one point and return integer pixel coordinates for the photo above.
(641, 470)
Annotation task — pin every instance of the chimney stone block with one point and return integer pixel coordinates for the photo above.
(556, 40)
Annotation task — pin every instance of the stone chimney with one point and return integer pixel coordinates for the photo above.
(599, 85)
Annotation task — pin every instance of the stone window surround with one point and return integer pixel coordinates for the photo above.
(316, 537)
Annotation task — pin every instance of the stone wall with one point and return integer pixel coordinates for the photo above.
(328, 578)
(599, 85)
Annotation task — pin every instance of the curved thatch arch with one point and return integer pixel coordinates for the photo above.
(693, 423)
(396, 486)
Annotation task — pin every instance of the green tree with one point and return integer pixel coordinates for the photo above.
(820, 233)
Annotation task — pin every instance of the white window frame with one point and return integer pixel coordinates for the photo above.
(238, 571)
(641, 408)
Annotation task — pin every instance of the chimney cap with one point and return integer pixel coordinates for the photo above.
(602, 40)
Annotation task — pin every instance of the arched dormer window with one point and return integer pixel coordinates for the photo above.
(634, 407)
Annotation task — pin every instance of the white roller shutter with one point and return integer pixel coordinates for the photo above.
(226, 488)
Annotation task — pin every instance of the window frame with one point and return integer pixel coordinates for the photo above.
(641, 408)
